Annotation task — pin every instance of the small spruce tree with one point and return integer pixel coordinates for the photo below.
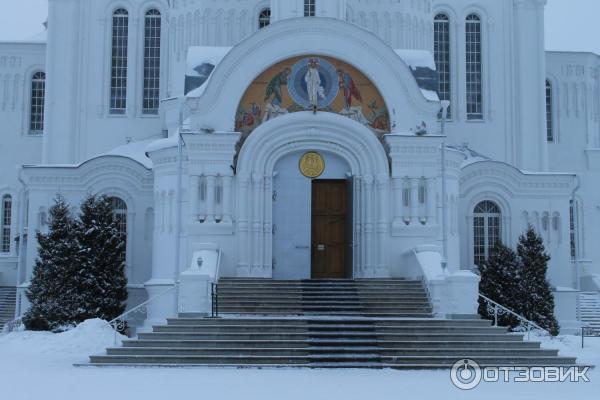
(500, 280)
(52, 284)
(536, 298)
(102, 265)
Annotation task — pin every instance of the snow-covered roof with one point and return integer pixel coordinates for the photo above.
(471, 156)
(134, 150)
(161, 144)
(201, 62)
(38, 37)
(422, 66)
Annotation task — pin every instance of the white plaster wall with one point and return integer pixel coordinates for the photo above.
(575, 79)
(79, 125)
(18, 63)
(513, 71)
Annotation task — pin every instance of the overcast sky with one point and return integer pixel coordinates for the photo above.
(570, 24)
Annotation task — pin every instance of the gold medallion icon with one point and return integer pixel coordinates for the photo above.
(312, 165)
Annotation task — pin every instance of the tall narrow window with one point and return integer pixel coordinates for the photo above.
(487, 230)
(549, 119)
(119, 208)
(118, 75)
(573, 240)
(36, 113)
(473, 68)
(309, 8)
(6, 222)
(152, 33)
(264, 18)
(441, 47)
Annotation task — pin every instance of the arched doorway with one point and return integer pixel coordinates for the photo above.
(365, 167)
(312, 218)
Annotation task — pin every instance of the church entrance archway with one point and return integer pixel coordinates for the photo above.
(312, 218)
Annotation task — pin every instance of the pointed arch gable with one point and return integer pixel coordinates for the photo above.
(287, 39)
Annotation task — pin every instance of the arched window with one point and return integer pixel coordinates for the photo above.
(38, 94)
(309, 8)
(441, 47)
(473, 64)
(152, 33)
(118, 73)
(119, 208)
(264, 18)
(6, 223)
(487, 230)
(549, 116)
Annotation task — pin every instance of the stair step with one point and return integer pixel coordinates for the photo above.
(335, 329)
(310, 351)
(325, 324)
(438, 345)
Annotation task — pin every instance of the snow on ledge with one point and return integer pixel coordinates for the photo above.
(135, 151)
(161, 144)
(201, 63)
(422, 66)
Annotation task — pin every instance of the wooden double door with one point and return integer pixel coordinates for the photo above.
(331, 230)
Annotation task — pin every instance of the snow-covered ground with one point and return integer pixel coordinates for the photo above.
(36, 366)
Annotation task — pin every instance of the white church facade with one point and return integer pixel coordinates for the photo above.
(303, 139)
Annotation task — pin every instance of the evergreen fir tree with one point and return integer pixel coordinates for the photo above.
(537, 300)
(500, 281)
(51, 289)
(102, 264)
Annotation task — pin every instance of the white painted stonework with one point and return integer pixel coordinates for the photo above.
(411, 215)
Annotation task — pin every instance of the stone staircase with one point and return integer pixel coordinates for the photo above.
(8, 300)
(326, 324)
(368, 298)
(589, 309)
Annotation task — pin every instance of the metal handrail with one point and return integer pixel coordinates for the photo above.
(218, 270)
(588, 331)
(497, 309)
(214, 289)
(119, 323)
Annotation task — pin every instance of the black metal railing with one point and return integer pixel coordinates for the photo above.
(588, 331)
(214, 295)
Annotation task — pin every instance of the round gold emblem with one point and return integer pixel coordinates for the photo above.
(312, 165)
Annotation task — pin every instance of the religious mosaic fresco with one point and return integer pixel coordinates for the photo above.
(314, 84)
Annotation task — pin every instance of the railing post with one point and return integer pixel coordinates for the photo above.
(217, 300)
(214, 297)
(495, 315)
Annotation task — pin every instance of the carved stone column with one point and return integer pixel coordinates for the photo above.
(194, 198)
(226, 199)
(257, 185)
(382, 224)
(243, 268)
(414, 201)
(211, 182)
(369, 225)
